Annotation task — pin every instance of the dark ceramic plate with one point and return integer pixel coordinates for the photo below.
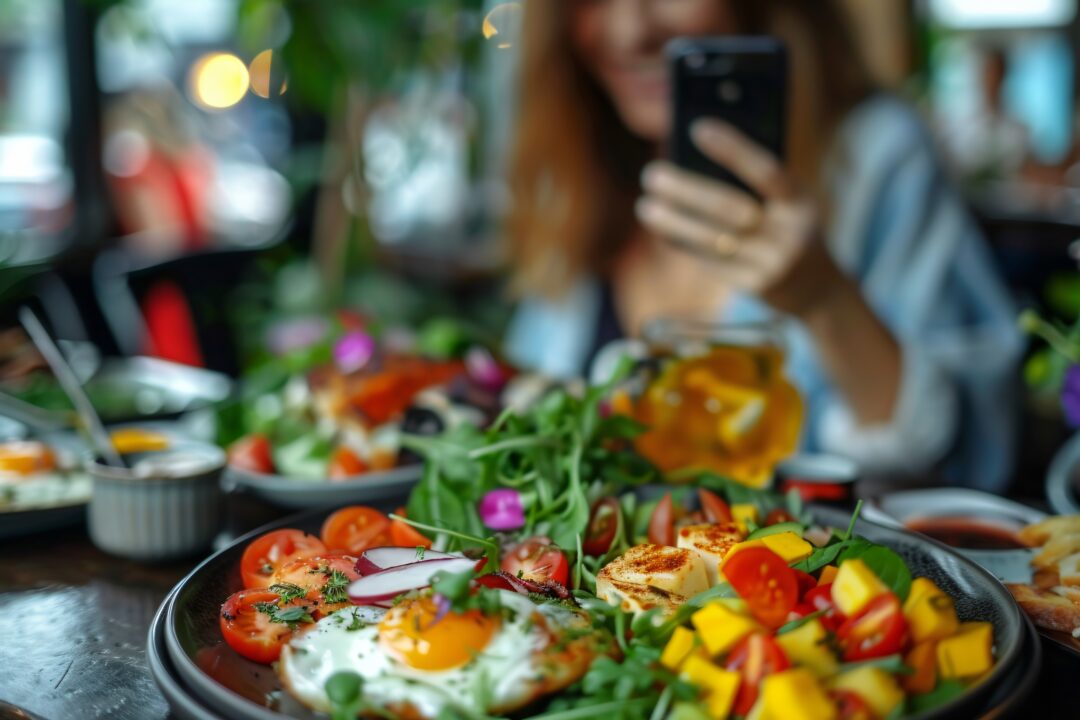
(219, 679)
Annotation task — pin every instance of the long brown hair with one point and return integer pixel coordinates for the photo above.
(575, 166)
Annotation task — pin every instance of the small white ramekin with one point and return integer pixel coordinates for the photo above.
(159, 516)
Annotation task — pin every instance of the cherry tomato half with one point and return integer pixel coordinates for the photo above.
(405, 535)
(877, 630)
(714, 507)
(806, 581)
(322, 577)
(820, 598)
(537, 559)
(754, 657)
(356, 528)
(252, 453)
(662, 522)
(602, 527)
(268, 552)
(250, 631)
(777, 516)
(344, 463)
(765, 582)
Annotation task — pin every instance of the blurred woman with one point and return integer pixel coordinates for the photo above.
(901, 337)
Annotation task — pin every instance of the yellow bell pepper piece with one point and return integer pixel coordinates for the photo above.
(968, 653)
(876, 687)
(930, 613)
(855, 586)
(720, 627)
(788, 545)
(744, 513)
(678, 648)
(719, 685)
(794, 695)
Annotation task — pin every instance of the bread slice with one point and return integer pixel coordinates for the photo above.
(1039, 533)
(1047, 608)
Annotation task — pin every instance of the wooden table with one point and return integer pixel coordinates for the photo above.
(73, 625)
(73, 622)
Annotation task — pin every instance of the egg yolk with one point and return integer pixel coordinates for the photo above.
(135, 440)
(25, 457)
(414, 634)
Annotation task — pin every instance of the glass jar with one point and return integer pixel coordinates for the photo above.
(718, 399)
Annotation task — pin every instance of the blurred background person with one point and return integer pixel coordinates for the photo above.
(901, 338)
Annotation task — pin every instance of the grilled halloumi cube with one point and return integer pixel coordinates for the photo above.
(636, 598)
(711, 542)
(675, 570)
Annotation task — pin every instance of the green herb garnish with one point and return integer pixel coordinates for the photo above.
(287, 592)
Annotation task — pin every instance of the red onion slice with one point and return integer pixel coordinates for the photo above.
(383, 558)
(388, 584)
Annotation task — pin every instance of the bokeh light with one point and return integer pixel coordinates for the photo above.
(266, 73)
(502, 24)
(219, 80)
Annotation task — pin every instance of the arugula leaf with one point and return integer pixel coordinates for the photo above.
(890, 663)
(945, 691)
(291, 616)
(796, 624)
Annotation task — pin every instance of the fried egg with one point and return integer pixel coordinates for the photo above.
(416, 663)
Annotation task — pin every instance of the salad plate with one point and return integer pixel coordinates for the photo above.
(214, 677)
(371, 487)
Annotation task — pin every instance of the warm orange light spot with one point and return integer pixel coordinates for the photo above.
(265, 72)
(411, 634)
(219, 80)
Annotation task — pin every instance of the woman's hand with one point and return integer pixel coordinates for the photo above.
(771, 248)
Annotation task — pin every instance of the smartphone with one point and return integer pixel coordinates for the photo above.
(741, 80)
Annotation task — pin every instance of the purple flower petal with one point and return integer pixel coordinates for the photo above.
(296, 334)
(502, 510)
(353, 351)
(1070, 396)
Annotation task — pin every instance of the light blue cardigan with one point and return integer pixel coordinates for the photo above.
(900, 228)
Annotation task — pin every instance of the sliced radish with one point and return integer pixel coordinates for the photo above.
(384, 558)
(388, 584)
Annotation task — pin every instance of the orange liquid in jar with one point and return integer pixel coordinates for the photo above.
(729, 410)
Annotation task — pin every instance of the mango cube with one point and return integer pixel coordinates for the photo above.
(828, 574)
(744, 513)
(678, 648)
(807, 646)
(855, 586)
(788, 545)
(719, 685)
(930, 613)
(794, 695)
(875, 686)
(968, 653)
(720, 627)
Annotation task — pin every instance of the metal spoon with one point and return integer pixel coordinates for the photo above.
(70, 383)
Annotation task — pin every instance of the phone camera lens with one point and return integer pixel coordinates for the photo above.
(695, 61)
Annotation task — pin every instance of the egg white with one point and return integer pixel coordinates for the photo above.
(494, 678)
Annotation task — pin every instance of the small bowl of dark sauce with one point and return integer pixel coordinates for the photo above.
(976, 524)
